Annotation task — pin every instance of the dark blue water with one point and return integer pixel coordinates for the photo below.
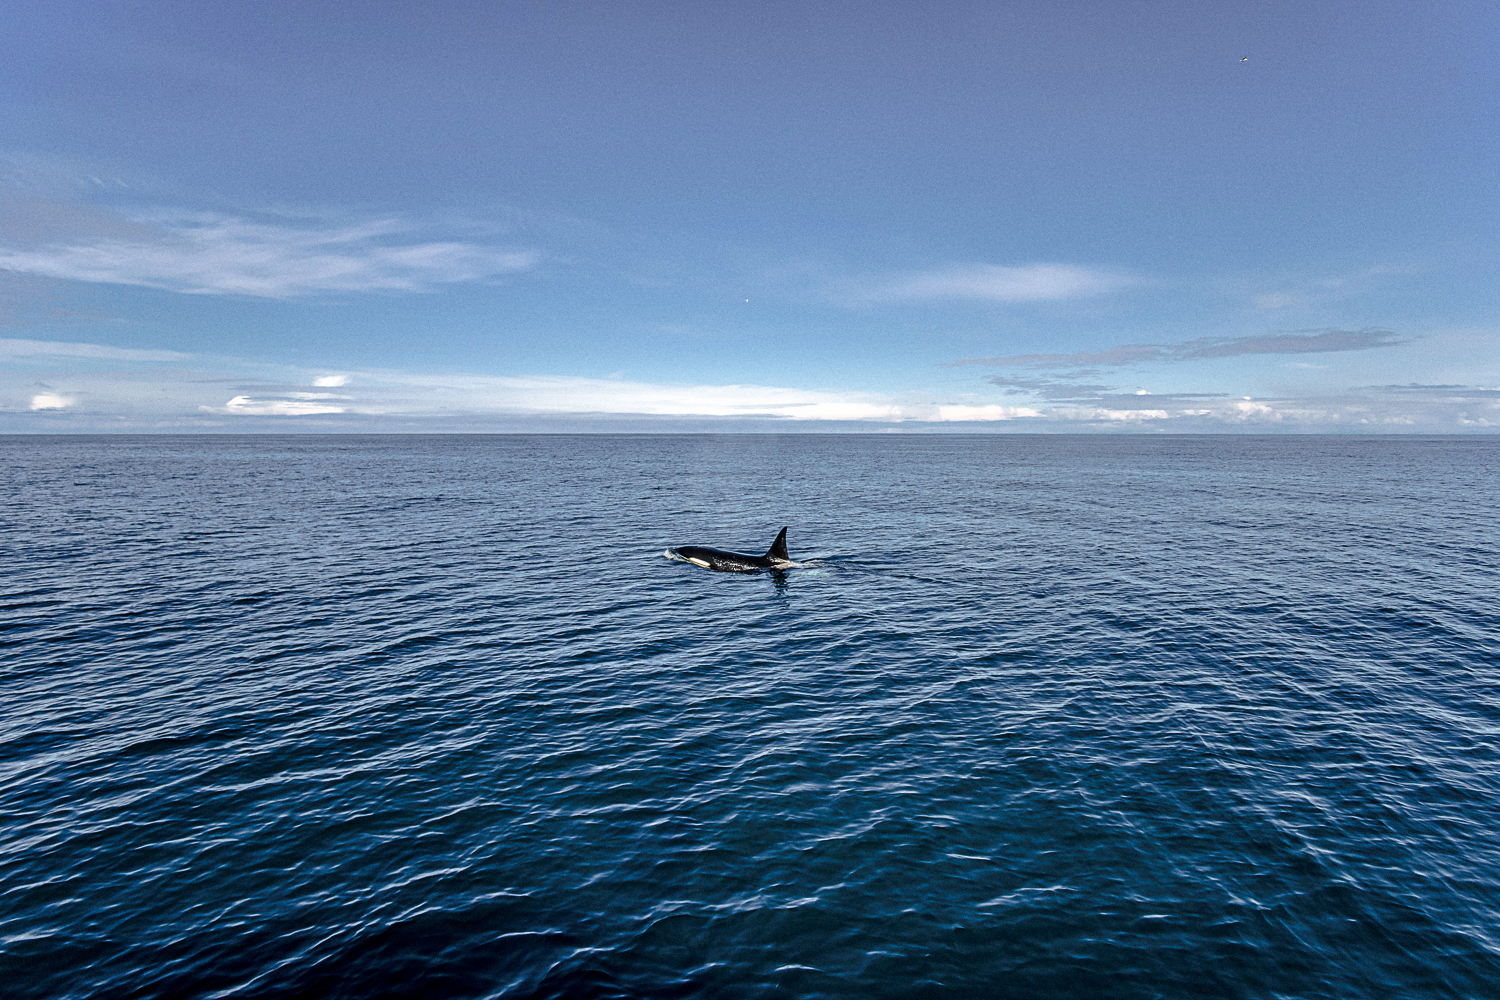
(1037, 717)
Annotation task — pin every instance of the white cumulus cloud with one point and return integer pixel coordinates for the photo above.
(969, 413)
(50, 401)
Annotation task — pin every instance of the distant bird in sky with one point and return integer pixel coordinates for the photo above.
(1244, 58)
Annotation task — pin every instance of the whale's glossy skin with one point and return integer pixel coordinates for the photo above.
(736, 562)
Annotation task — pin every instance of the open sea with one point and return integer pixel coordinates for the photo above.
(1053, 717)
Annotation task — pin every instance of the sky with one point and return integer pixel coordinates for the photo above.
(811, 216)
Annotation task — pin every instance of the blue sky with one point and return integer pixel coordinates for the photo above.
(769, 216)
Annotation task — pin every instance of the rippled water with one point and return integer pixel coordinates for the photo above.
(1035, 717)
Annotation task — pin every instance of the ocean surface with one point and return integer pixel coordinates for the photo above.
(430, 717)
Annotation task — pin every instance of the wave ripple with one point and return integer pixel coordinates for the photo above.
(1053, 717)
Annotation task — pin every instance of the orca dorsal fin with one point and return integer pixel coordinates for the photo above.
(778, 548)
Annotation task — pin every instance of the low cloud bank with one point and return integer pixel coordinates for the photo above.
(1065, 383)
(169, 391)
(449, 397)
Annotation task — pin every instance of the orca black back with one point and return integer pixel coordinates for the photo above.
(735, 562)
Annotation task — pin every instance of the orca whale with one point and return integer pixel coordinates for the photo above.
(736, 562)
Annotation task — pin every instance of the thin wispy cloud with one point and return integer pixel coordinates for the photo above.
(1050, 388)
(1311, 342)
(215, 254)
(1304, 291)
(994, 283)
(1321, 342)
(18, 349)
(296, 404)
